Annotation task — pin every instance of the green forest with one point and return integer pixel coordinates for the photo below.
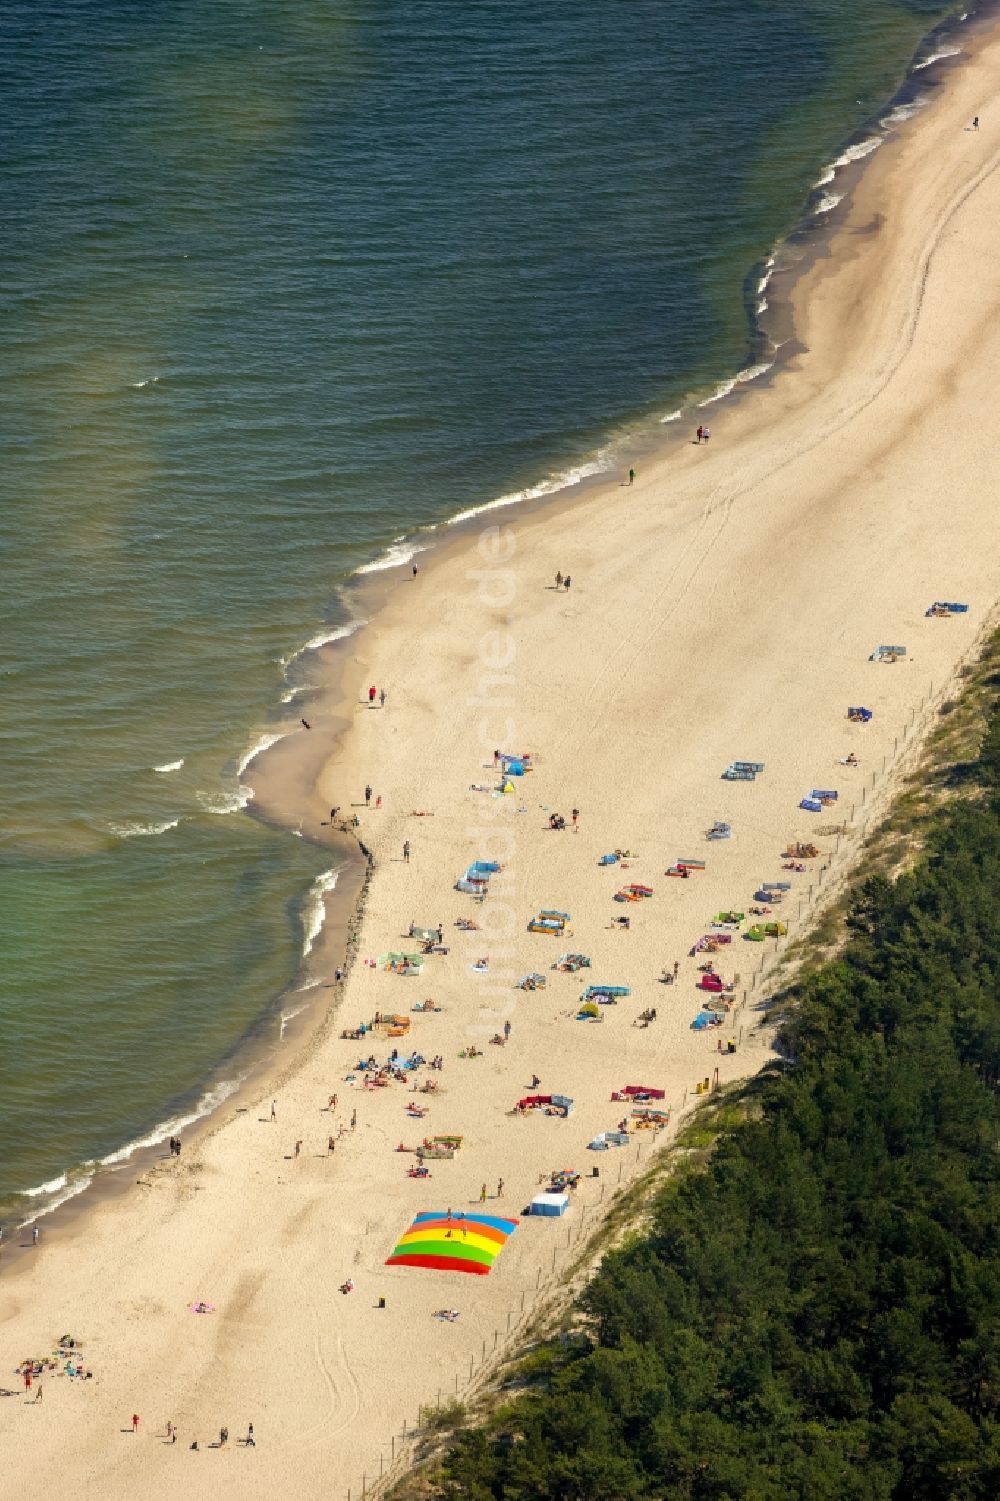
(811, 1312)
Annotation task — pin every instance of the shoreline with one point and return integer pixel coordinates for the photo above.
(772, 344)
(723, 608)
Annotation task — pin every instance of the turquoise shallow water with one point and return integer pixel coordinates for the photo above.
(283, 282)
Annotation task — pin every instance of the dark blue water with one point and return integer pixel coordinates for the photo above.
(282, 282)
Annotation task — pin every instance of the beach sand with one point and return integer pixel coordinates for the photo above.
(722, 608)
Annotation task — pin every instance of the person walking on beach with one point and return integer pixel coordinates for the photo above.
(332, 1103)
(631, 476)
(354, 1119)
(368, 795)
(507, 1029)
(975, 123)
(566, 583)
(371, 694)
(274, 1110)
(414, 570)
(35, 1232)
(700, 434)
(38, 1390)
(331, 1145)
(381, 698)
(334, 812)
(482, 1194)
(499, 1188)
(249, 1440)
(135, 1422)
(305, 724)
(171, 1431)
(298, 1147)
(406, 852)
(706, 433)
(575, 814)
(559, 579)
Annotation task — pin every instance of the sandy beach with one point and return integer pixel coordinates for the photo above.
(722, 608)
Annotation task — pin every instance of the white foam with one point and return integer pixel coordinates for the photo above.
(399, 552)
(768, 269)
(53, 1186)
(723, 389)
(140, 385)
(225, 802)
(828, 176)
(827, 202)
(762, 306)
(259, 745)
(314, 915)
(170, 765)
(936, 57)
(858, 151)
(70, 1188)
(287, 1016)
(673, 416)
(753, 371)
(903, 112)
(561, 481)
(136, 829)
(287, 697)
(323, 638)
(209, 1101)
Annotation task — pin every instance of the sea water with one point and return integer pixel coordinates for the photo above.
(283, 282)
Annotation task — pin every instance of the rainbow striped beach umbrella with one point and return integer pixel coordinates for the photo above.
(464, 1243)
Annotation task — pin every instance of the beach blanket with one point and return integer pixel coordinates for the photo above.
(463, 1243)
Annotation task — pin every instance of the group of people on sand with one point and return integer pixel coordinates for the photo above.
(248, 1443)
(563, 582)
